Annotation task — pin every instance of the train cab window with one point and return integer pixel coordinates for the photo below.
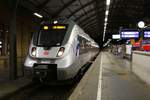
(51, 35)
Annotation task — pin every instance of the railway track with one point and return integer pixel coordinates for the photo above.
(35, 91)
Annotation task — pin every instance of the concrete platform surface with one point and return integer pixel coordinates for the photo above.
(111, 78)
(8, 87)
(87, 88)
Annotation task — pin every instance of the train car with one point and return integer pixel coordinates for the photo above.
(145, 45)
(58, 51)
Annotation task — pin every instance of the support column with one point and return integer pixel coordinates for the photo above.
(13, 54)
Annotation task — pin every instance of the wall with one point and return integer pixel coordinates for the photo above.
(24, 24)
(24, 29)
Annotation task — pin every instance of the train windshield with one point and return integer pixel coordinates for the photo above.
(51, 35)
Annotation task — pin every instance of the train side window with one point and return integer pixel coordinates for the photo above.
(81, 43)
(79, 38)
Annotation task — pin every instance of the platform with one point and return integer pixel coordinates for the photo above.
(111, 78)
(7, 86)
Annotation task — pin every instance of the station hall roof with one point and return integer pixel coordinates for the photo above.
(90, 14)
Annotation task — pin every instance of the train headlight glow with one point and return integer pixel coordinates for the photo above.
(33, 51)
(60, 52)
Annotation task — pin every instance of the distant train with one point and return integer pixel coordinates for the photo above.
(58, 51)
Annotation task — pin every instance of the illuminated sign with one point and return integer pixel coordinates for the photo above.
(129, 34)
(116, 36)
(59, 27)
(53, 26)
(146, 34)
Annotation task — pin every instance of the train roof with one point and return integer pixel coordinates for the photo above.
(58, 21)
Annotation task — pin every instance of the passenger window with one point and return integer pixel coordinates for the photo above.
(80, 41)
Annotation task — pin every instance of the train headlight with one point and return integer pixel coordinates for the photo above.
(60, 52)
(33, 51)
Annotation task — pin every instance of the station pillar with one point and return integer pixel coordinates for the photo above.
(13, 55)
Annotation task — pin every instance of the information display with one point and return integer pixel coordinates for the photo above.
(128, 34)
(146, 34)
(54, 27)
(116, 36)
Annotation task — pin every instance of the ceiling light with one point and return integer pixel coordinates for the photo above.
(106, 13)
(38, 15)
(106, 19)
(107, 2)
(104, 36)
(55, 22)
(105, 24)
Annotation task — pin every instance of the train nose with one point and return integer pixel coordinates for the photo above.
(40, 74)
(47, 72)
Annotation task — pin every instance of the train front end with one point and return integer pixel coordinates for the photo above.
(50, 56)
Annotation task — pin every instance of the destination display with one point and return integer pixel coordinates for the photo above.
(129, 34)
(54, 27)
(116, 36)
(146, 34)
